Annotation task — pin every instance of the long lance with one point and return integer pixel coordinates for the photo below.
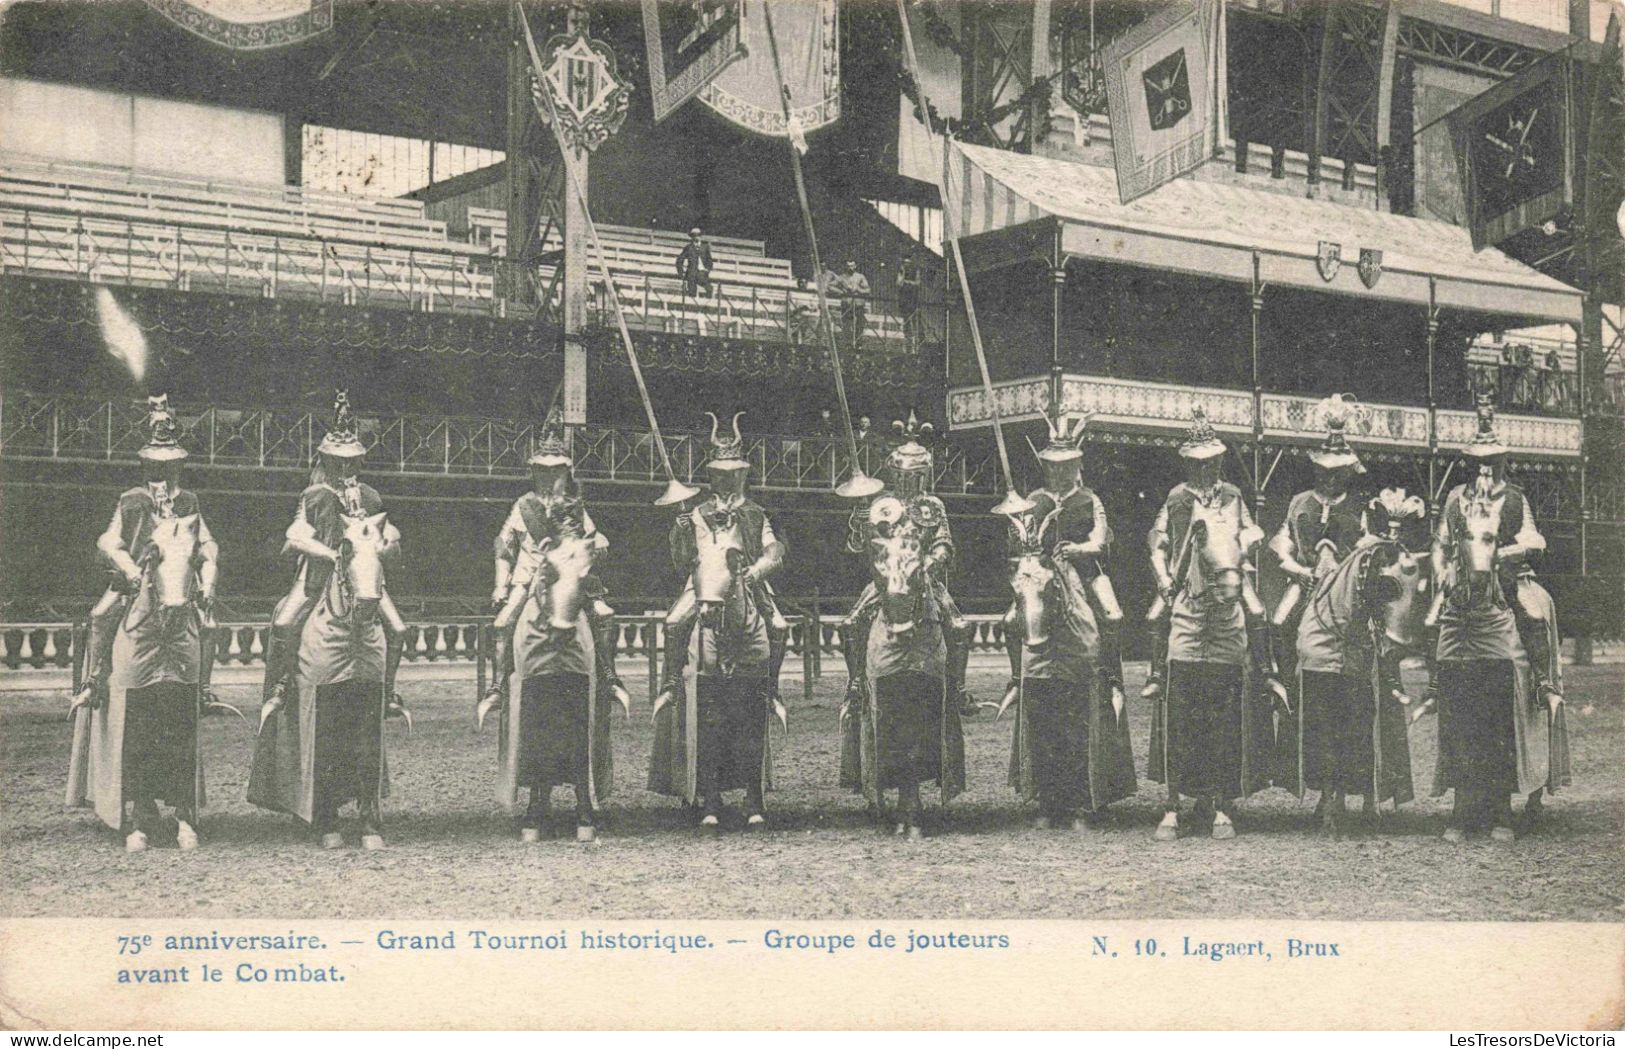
(676, 491)
(1012, 503)
(859, 485)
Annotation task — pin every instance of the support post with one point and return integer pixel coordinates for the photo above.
(575, 262)
(1256, 311)
(1433, 404)
(1057, 279)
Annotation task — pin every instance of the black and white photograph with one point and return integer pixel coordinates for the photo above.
(812, 490)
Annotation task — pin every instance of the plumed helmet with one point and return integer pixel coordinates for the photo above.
(910, 455)
(342, 440)
(163, 433)
(726, 453)
(550, 449)
(1065, 435)
(1334, 413)
(1486, 443)
(1201, 441)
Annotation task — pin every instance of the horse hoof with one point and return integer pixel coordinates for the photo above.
(1499, 833)
(530, 835)
(185, 837)
(1454, 835)
(372, 842)
(586, 833)
(900, 830)
(1041, 823)
(1168, 829)
(914, 833)
(709, 824)
(332, 840)
(1223, 829)
(135, 841)
(755, 821)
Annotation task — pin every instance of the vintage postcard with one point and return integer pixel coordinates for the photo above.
(812, 514)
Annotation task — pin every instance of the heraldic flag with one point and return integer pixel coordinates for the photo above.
(1513, 146)
(688, 44)
(808, 38)
(249, 25)
(1165, 94)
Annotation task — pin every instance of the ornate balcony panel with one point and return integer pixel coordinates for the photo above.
(1388, 424)
(1522, 433)
(1132, 407)
(1131, 403)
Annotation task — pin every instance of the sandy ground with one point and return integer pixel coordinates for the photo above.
(453, 853)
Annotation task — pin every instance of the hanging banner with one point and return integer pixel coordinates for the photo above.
(1512, 152)
(249, 25)
(688, 44)
(1165, 93)
(809, 49)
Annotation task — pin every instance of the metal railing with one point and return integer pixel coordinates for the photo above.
(40, 426)
(56, 646)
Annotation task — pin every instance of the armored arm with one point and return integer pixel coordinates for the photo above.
(1251, 534)
(1286, 549)
(301, 536)
(1095, 545)
(1527, 541)
(940, 553)
(208, 555)
(1157, 540)
(684, 550)
(111, 546)
(772, 555)
(504, 552)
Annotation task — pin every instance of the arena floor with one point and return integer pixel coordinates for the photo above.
(452, 853)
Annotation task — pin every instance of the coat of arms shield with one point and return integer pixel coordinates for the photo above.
(1370, 266)
(1328, 259)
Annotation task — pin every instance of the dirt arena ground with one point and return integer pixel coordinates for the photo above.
(453, 853)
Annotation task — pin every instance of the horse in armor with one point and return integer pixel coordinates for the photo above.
(1502, 729)
(1210, 735)
(555, 640)
(724, 647)
(909, 467)
(135, 737)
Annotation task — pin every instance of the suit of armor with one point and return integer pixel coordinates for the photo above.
(906, 505)
(763, 551)
(533, 524)
(121, 547)
(1079, 537)
(315, 534)
(1169, 535)
(1516, 539)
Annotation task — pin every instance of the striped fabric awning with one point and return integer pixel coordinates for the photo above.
(1219, 229)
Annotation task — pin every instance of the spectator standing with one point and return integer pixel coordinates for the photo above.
(852, 288)
(909, 281)
(694, 264)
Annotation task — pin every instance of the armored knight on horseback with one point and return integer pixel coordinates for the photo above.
(540, 520)
(1207, 739)
(135, 733)
(554, 661)
(1070, 750)
(711, 732)
(121, 546)
(729, 474)
(1323, 524)
(1079, 537)
(1499, 683)
(907, 503)
(336, 494)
